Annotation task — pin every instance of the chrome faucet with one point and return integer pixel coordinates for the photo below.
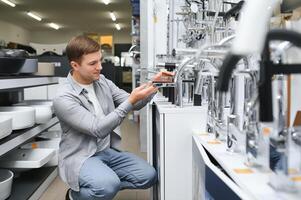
(179, 81)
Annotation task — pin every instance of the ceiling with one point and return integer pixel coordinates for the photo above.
(77, 15)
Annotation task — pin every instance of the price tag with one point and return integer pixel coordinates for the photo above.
(296, 178)
(214, 142)
(266, 131)
(34, 145)
(243, 171)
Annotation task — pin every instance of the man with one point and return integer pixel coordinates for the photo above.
(90, 108)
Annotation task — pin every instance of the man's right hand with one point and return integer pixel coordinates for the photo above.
(141, 92)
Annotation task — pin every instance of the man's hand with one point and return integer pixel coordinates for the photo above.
(163, 77)
(141, 92)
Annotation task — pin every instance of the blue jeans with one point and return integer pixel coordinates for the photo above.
(109, 171)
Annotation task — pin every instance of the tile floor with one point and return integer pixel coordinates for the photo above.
(130, 142)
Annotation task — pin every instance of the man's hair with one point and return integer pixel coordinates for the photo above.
(79, 46)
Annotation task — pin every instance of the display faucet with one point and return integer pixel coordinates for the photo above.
(239, 134)
(181, 68)
(179, 81)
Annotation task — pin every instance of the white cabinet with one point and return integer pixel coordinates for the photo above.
(172, 151)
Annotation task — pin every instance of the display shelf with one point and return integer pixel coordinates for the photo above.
(255, 183)
(30, 185)
(15, 82)
(19, 137)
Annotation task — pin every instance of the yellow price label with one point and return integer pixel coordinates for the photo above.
(155, 19)
(243, 171)
(266, 131)
(296, 178)
(34, 145)
(214, 142)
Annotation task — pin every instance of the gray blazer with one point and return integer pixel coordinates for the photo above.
(81, 127)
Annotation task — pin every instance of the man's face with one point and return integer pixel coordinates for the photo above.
(89, 68)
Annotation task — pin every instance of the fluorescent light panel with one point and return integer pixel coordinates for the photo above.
(55, 26)
(117, 26)
(106, 1)
(34, 16)
(113, 17)
(9, 3)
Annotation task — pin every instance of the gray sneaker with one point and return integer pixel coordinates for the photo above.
(67, 197)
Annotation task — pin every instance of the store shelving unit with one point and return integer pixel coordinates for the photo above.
(19, 137)
(31, 184)
(7, 83)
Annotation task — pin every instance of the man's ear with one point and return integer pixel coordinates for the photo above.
(74, 65)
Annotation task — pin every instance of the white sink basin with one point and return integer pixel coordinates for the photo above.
(6, 180)
(23, 117)
(47, 144)
(26, 158)
(6, 126)
(36, 102)
(43, 113)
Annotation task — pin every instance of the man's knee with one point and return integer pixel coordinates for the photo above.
(149, 178)
(105, 190)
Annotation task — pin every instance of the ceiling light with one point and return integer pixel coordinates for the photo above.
(106, 1)
(34, 16)
(113, 16)
(9, 3)
(55, 26)
(117, 26)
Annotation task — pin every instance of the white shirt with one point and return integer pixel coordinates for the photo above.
(102, 144)
(92, 97)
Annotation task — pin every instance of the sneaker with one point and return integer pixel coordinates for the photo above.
(67, 197)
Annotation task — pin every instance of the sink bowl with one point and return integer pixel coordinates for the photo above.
(30, 66)
(26, 158)
(22, 117)
(6, 126)
(46, 144)
(12, 60)
(43, 113)
(10, 65)
(36, 102)
(6, 180)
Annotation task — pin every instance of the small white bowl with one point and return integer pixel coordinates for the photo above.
(22, 117)
(6, 126)
(6, 180)
(43, 113)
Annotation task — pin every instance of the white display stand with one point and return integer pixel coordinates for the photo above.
(171, 149)
(236, 179)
